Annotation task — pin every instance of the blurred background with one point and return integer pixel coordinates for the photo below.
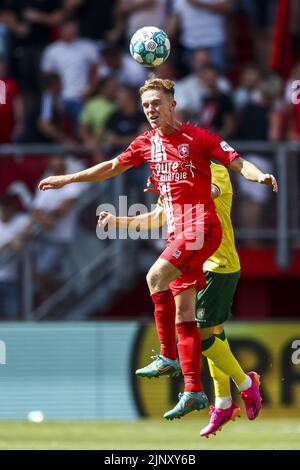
(75, 310)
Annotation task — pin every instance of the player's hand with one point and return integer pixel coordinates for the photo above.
(53, 182)
(269, 180)
(105, 218)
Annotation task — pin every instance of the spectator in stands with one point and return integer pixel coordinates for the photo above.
(292, 107)
(122, 127)
(56, 216)
(217, 112)
(6, 14)
(97, 111)
(261, 16)
(38, 17)
(12, 111)
(201, 25)
(125, 123)
(121, 66)
(95, 16)
(249, 85)
(75, 60)
(10, 27)
(260, 120)
(46, 120)
(191, 90)
(132, 15)
(14, 227)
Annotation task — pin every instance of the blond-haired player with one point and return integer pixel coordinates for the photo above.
(179, 156)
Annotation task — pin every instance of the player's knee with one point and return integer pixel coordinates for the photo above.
(184, 313)
(156, 280)
(153, 279)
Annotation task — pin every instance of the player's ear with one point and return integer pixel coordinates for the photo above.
(173, 104)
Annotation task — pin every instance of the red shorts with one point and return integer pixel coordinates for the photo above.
(188, 253)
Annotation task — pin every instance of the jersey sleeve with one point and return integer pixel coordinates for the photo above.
(215, 147)
(133, 155)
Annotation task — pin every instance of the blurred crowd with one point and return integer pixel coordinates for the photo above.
(69, 79)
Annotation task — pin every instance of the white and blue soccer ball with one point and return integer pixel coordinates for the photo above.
(150, 46)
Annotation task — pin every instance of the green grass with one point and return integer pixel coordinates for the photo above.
(265, 433)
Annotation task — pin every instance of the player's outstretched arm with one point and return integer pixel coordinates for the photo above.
(249, 171)
(100, 172)
(148, 221)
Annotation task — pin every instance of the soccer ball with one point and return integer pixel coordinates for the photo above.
(150, 46)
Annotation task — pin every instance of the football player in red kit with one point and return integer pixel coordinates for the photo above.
(179, 157)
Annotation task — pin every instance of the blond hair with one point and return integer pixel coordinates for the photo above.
(166, 85)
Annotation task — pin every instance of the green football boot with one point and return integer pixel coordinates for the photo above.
(188, 401)
(160, 366)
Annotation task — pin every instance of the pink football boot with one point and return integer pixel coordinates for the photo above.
(251, 397)
(219, 418)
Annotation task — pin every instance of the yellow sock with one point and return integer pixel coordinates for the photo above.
(221, 380)
(220, 354)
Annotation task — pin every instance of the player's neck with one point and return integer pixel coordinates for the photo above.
(169, 128)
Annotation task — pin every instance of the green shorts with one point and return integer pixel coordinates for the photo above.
(214, 302)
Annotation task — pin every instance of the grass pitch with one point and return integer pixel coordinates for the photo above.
(149, 434)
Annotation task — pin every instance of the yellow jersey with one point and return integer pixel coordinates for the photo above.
(226, 259)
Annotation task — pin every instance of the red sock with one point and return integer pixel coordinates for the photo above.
(164, 315)
(189, 351)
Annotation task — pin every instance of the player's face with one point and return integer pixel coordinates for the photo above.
(158, 108)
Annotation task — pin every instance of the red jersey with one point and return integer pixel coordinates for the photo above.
(180, 164)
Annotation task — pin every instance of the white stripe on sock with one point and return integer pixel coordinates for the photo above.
(223, 402)
(245, 384)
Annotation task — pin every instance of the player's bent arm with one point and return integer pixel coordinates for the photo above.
(251, 173)
(100, 172)
(148, 221)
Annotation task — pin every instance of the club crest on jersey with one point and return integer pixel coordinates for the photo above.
(184, 150)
